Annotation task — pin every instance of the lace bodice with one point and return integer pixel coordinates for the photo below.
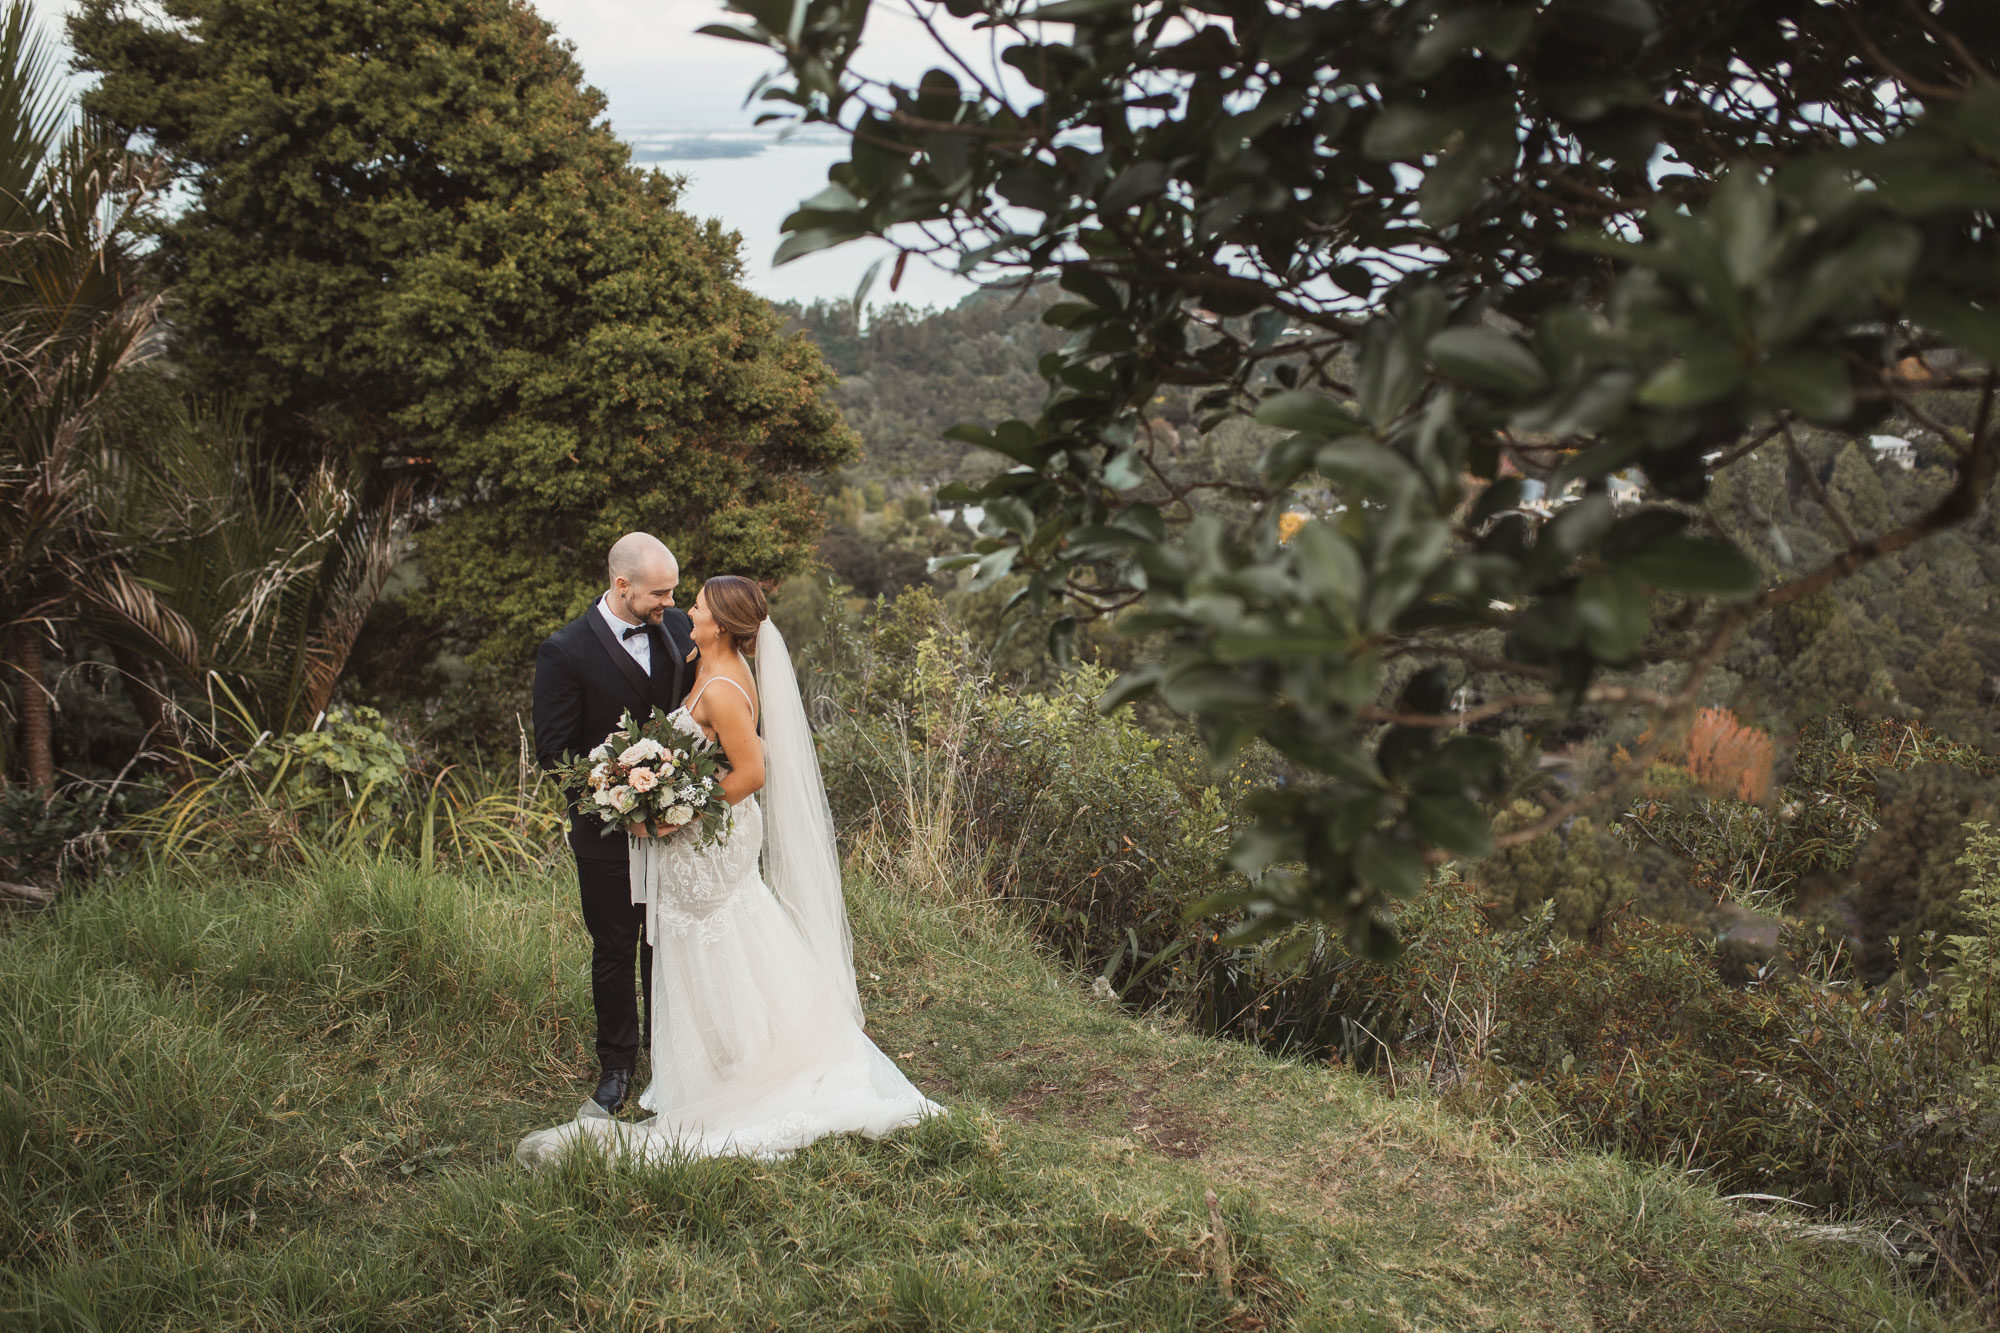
(692, 882)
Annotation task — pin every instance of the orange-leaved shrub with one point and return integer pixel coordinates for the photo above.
(1729, 758)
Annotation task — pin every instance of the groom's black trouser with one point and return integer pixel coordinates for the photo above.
(615, 926)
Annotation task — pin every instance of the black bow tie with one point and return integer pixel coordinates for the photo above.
(636, 629)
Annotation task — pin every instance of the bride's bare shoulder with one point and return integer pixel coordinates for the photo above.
(739, 692)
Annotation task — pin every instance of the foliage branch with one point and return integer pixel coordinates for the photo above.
(1446, 247)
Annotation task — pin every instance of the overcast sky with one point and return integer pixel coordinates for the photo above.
(656, 72)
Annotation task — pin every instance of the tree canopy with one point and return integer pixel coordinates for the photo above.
(1442, 249)
(409, 235)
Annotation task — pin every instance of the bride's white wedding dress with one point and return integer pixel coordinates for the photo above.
(757, 1042)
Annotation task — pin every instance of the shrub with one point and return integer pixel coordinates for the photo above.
(347, 787)
(1521, 984)
(42, 834)
(1103, 832)
(1728, 758)
(1974, 976)
(1580, 869)
(1909, 878)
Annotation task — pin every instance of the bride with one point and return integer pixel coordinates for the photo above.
(757, 1046)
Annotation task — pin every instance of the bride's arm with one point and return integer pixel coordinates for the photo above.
(736, 731)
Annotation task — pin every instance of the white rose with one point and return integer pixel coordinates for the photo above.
(639, 751)
(602, 752)
(678, 815)
(623, 799)
(599, 774)
(602, 797)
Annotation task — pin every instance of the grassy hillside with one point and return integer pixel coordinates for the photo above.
(290, 1104)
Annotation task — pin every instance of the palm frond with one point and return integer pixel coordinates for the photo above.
(33, 110)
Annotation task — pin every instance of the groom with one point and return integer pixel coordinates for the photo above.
(631, 650)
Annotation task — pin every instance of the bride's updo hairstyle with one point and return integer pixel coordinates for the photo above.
(738, 606)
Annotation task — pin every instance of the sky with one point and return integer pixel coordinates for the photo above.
(672, 92)
(663, 79)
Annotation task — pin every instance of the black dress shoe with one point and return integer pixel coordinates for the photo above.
(612, 1090)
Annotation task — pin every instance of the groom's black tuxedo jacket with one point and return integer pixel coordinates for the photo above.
(584, 682)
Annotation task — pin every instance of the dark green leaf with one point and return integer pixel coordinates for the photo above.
(1312, 413)
(1813, 384)
(1488, 360)
(1612, 605)
(1392, 867)
(1694, 565)
(1452, 822)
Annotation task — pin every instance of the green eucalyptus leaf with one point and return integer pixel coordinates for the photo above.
(944, 564)
(1813, 384)
(1696, 379)
(1451, 821)
(1611, 604)
(1329, 565)
(1312, 413)
(1134, 684)
(994, 567)
(1488, 360)
(1394, 868)
(1697, 566)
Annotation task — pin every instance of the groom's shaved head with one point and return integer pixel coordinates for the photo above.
(638, 554)
(643, 574)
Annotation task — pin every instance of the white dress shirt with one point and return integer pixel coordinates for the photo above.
(640, 646)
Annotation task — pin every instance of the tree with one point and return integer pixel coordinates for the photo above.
(411, 238)
(1949, 674)
(1435, 248)
(1858, 493)
(74, 314)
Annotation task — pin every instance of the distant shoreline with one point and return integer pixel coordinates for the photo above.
(696, 150)
(652, 144)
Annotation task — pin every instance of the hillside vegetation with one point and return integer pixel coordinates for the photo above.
(289, 1102)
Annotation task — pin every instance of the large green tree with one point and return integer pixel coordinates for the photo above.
(408, 233)
(1436, 247)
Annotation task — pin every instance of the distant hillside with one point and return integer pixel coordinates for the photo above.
(910, 375)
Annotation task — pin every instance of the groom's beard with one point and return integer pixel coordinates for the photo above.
(648, 618)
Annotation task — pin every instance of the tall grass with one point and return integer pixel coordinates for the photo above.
(148, 1027)
(288, 1101)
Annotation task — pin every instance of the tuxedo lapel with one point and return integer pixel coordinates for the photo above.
(662, 689)
(619, 657)
(677, 633)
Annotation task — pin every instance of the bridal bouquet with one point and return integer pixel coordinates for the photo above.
(652, 771)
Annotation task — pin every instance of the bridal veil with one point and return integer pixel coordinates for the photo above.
(801, 861)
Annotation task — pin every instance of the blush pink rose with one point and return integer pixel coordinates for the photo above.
(642, 779)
